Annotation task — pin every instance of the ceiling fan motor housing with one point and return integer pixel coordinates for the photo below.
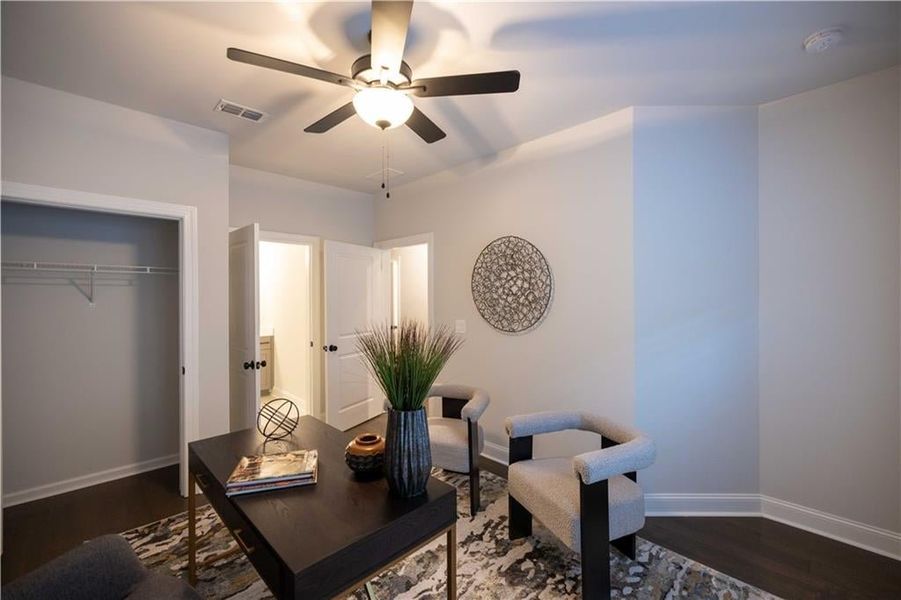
(362, 71)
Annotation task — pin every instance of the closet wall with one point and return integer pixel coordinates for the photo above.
(88, 391)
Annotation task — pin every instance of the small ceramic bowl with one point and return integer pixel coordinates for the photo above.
(365, 455)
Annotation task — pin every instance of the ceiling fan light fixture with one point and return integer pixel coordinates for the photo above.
(382, 107)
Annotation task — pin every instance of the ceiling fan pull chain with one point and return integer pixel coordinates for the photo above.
(383, 159)
(387, 166)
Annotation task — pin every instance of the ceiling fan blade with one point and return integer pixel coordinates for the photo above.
(390, 21)
(335, 117)
(268, 62)
(425, 127)
(500, 82)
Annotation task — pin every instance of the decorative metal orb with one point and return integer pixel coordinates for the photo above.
(278, 419)
(512, 285)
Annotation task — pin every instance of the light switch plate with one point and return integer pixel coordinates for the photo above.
(460, 326)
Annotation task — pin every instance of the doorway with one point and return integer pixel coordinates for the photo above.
(286, 336)
(410, 284)
(274, 323)
(411, 278)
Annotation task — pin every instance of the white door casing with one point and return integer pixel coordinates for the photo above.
(357, 296)
(243, 325)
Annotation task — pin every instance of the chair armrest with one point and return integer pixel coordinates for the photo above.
(597, 465)
(477, 400)
(542, 422)
(475, 407)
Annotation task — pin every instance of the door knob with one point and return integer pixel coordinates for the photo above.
(332, 348)
(261, 363)
(248, 365)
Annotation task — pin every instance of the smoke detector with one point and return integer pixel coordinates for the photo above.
(822, 40)
(237, 110)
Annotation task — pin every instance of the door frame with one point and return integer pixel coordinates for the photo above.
(317, 408)
(415, 240)
(188, 269)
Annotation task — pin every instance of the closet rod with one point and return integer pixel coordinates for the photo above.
(88, 268)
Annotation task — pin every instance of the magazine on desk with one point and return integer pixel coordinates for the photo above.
(273, 471)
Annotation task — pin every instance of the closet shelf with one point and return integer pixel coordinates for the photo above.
(87, 268)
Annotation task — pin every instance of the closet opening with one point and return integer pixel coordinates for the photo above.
(286, 325)
(91, 366)
(185, 357)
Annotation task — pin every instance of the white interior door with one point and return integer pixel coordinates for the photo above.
(243, 325)
(357, 296)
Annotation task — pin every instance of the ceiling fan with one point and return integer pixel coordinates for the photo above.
(384, 82)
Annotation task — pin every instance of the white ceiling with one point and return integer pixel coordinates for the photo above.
(578, 61)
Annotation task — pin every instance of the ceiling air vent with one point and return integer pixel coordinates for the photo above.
(233, 108)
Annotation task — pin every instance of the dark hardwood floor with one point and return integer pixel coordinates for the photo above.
(780, 559)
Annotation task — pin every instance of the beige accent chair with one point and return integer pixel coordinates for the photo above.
(456, 437)
(587, 501)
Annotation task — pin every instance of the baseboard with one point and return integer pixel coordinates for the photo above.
(76, 483)
(702, 505)
(496, 452)
(874, 539)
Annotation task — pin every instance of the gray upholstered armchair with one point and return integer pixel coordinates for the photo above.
(587, 500)
(105, 568)
(456, 437)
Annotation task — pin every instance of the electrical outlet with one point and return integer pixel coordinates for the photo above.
(460, 326)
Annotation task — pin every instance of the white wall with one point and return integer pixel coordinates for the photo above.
(829, 299)
(571, 195)
(696, 296)
(289, 205)
(413, 292)
(87, 388)
(61, 140)
(285, 314)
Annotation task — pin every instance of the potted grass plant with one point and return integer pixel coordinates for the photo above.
(405, 362)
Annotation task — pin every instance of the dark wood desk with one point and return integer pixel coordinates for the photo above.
(323, 540)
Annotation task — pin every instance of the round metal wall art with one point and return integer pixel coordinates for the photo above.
(512, 285)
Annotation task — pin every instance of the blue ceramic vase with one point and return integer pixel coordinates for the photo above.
(408, 456)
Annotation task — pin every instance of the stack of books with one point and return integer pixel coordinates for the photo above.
(265, 472)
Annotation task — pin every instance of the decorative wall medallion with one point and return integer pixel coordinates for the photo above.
(512, 284)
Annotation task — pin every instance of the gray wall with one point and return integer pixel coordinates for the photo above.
(290, 205)
(570, 194)
(829, 312)
(86, 389)
(66, 141)
(696, 296)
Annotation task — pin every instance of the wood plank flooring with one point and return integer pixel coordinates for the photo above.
(780, 559)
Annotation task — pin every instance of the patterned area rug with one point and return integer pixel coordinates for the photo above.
(489, 566)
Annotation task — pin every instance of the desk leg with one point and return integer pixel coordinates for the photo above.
(452, 562)
(192, 532)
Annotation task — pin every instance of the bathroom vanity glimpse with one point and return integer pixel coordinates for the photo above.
(267, 356)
